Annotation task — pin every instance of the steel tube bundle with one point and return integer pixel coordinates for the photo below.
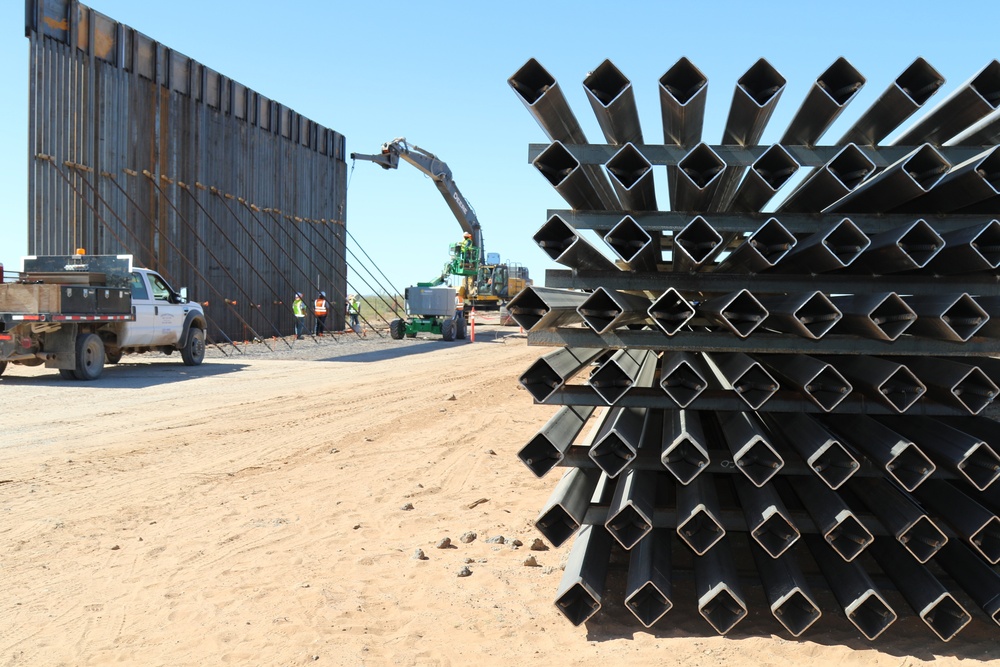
(856, 324)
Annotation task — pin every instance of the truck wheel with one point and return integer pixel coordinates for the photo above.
(397, 328)
(460, 328)
(89, 357)
(67, 374)
(448, 330)
(112, 355)
(194, 352)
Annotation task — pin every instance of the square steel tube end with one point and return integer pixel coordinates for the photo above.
(648, 604)
(919, 81)
(922, 538)
(606, 83)
(901, 389)
(722, 608)
(700, 530)
(612, 453)
(796, 611)
(776, 534)
(629, 240)
(986, 540)
(685, 458)
(772, 241)
(775, 166)
(695, 244)
(628, 166)
(871, 615)
(556, 163)
(671, 311)
(981, 466)
(833, 464)
(758, 461)
(531, 81)
(974, 391)
(682, 382)
(945, 617)
(628, 526)
(540, 455)
(908, 465)
(809, 315)
(682, 82)
(557, 525)
(849, 537)
(762, 83)
(755, 386)
(827, 388)
(555, 237)
(740, 312)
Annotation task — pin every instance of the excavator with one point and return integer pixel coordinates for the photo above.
(486, 283)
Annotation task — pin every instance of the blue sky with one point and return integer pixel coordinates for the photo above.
(437, 73)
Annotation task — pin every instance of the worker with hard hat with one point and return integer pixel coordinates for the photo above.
(465, 248)
(353, 310)
(320, 308)
(299, 311)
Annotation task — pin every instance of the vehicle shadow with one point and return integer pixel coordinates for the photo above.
(125, 375)
(418, 346)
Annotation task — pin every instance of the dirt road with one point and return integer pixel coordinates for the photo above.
(267, 510)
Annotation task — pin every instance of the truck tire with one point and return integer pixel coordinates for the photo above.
(89, 357)
(112, 355)
(460, 328)
(193, 352)
(397, 329)
(448, 330)
(3, 367)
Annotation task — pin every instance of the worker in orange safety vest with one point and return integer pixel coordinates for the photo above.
(459, 304)
(320, 308)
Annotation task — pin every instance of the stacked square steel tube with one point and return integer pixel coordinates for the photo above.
(785, 387)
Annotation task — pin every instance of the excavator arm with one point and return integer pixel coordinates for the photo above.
(440, 173)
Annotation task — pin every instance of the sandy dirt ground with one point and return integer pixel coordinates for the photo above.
(267, 509)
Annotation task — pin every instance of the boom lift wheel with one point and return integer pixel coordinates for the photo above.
(448, 330)
(397, 328)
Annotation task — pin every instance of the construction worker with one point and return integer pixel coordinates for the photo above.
(459, 303)
(299, 310)
(320, 309)
(353, 310)
(465, 247)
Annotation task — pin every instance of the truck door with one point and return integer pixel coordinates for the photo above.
(139, 332)
(168, 312)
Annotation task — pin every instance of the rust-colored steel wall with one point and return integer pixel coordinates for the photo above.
(138, 149)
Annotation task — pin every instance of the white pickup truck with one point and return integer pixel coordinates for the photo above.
(74, 313)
